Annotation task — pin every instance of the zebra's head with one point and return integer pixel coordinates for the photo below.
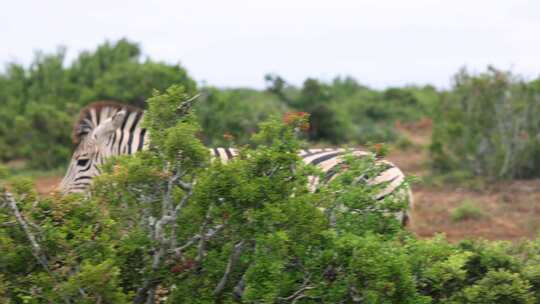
(97, 133)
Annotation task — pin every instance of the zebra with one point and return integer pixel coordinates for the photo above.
(108, 128)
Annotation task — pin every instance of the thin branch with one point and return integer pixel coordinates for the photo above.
(37, 252)
(355, 296)
(202, 240)
(158, 230)
(146, 291)
(176, 212)
(185, 186)
(151, 295)
(233, 258)
(182, 203)
(299, 294)
(238, 290)
(193, 97)
(273, 170)
(74, 271)
(8, 224)
(166, 202)
(169, 214)
(298, 298)
(211, 232)
(165, 240)
(186, 105)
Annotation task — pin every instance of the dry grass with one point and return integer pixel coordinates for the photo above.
(511, 209)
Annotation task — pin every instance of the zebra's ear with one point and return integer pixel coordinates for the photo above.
(110, 125)
(117, 119)
(81, 129)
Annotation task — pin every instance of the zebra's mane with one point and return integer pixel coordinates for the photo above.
(93, 114)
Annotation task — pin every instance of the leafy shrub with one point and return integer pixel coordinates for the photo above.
(3, 171)
(170, 224)
(39, 102)
(404, 143)
(486, 124)
(500, 286)
(345, 111)
(439, 267)
(468, 210)
(234, 114)
(249, 228)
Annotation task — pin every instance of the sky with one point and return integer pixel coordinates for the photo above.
(234, 43)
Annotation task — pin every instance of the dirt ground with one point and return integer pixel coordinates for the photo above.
(511, 210)
(45, 185)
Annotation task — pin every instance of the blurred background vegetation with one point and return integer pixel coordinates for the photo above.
(483, 130)
(485, 124)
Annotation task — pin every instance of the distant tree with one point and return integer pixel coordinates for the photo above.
(89, 66)
(226, 114)
(40, 102)
(314, 98)
(487, 125)
(134, 82)
(277, 85)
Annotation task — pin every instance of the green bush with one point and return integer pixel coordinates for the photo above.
(500, 286)
(440, 268)
(39, 102)
(468, 210)
(345, 111)
(487, 125)
(3, 171)
(404, 143)
(184, 229)
(233, 115)
(266, 236)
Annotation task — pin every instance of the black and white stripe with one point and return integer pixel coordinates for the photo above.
(109, 129)
(104, 129)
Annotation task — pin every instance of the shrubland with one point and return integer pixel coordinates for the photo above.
(169, 224)
(468, 210)
(344, 111)
(488, 125)
(485, 124)
(40, 101)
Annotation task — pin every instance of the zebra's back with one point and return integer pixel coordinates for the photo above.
(328, 161)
